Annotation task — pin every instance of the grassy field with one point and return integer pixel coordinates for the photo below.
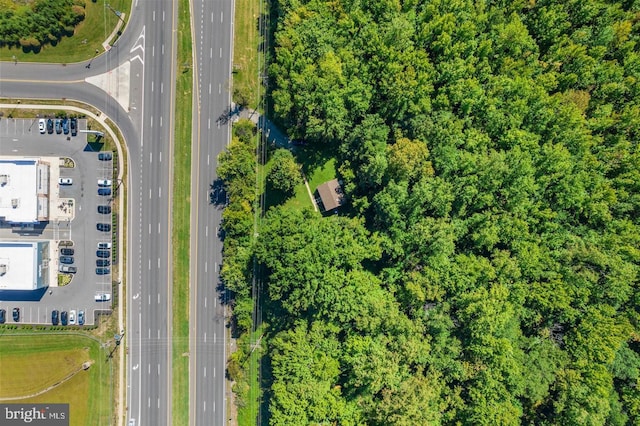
(245, 53)
(30, 363)
(98, 23)
(181, 220)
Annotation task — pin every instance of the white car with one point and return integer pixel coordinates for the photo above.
(102, 297)
(42, 126)
(72, 317)
(65, 181)
(104, 182)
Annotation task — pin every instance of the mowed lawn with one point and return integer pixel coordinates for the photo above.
(98, 23)
(32, 363)
(245, 52)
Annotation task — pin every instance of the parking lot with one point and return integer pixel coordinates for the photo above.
(74, 217)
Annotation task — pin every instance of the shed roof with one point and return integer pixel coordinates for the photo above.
(331, 194)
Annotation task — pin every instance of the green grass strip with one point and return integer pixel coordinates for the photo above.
(181, 220)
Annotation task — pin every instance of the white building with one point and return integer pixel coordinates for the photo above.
(24, 265)
(24, 190)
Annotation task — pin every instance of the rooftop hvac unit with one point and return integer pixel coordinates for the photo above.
(3, 268)
(15, 202)
(4, 179)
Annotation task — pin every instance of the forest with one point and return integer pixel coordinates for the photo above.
(36, 23)
(485, 269)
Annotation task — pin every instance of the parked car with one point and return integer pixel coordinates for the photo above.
(104, 209)
(102, 263)
(102, 271)
(104, 191)
(104, 227)
(102, 297)
(58, 126)
(72, 317)
(68, 269)
(65, 126)
(64, 318)
(67, 252)
(104, 182)
(80, 317)
(105, 156)
(103, 253)
(3, 316)
(54, 317)
(42, 126)
(74, 129)
(16, 314)
(49, 126)
(103, 246)
(67, 260)
(65, 181)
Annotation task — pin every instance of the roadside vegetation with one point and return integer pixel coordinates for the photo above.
(181, 219)
(34, 361)
(41, 31)
(245, 53)
(485, 268)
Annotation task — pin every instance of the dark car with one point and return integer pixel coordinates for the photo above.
(104, 209)
(58, 126)
(103, 253)
(66, 252)
(104, 191)
(81, 318)
(74, 126)
(64, 318)
(54, 317)
(16, 314)
(65, 126)
(102, 271)
(104, 227)
(49, 126)
(3, 316)
(68, 260)
(104, 156)
(102, 262)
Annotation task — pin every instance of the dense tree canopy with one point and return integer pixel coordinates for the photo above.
(33, 24)
(488, 270)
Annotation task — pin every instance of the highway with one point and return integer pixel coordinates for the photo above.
(212, 23)
(148, 47)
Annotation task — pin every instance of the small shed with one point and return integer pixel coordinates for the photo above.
(331, 195)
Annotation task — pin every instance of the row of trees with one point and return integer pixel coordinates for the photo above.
(37, 23)
(487, 271)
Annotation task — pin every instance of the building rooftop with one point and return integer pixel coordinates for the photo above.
(19, 265)
(19, 190)
(331, 194)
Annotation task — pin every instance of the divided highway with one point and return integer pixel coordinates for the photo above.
(212, 23)
(148, 48)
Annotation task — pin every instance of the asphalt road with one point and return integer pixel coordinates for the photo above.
(212, 23)
(149, 44)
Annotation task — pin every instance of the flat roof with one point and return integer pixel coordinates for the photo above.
(19, 265)
(19, 190)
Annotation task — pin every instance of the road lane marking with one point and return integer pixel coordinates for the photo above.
(160, 192)
(149, 264)
(161, 91)
(219, 88)
(149, 404)
(158, 399)
(211, 53)
(149, 299)
(158, 334)
(205, 267)
(158, 304)
(149, 368)
(158, 268)
(163, 16)
(211, 16)
(209, 93)
(158, 233)
(206, 228)
(163, 49)
(154, 15)
(221, 15)
(152, 86)
(221, 52)
(214, 338)
(151, 157)
(209, 123)
(160, 121)
(205, 302)
(161, 156)
(205, 337)
(214, 372)
(205, 372)
(149, 224)
(158, 375)
(153, 53)
(151, 121)
(149, 333)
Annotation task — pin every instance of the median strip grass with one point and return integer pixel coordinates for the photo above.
(181, 220)
(245, 53)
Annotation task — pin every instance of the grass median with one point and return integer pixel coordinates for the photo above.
(181, 219)
(245, 53)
